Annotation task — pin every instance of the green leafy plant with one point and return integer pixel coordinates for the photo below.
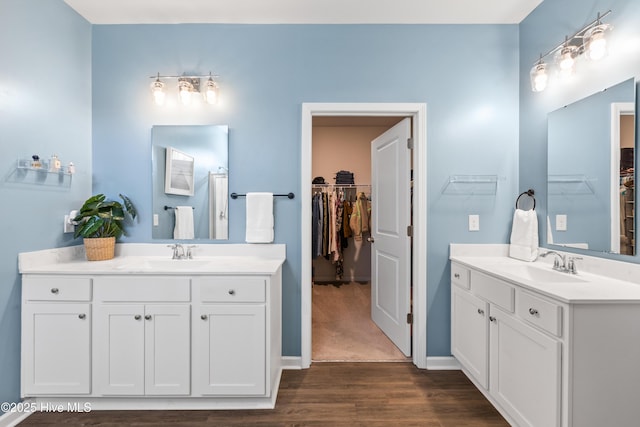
(100, 217)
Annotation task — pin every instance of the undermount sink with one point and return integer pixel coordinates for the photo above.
(540, 274)
(162, 264)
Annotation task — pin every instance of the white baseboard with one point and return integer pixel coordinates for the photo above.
(12, 419)
(291, 362)
(448, 363)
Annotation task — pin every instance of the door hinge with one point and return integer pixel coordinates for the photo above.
(410, 230)
(410, 143)
(410, 318)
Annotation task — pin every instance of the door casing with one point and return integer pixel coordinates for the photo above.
(418, 113)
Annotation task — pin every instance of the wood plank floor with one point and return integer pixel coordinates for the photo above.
(328, 394)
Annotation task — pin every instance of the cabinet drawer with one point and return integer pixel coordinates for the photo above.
(460, 275)
(542, 313)
(232, 289)
(142, 289)
(493, 290)
(56, 288)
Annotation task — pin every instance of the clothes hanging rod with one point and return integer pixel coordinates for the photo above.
(166, 208)
(289, 195)
(342, 185)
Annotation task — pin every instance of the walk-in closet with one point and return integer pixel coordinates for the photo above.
(342, 328)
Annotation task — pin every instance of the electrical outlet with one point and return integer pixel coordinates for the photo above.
(156, 220)
(561, 223)
(474, 222)
(68, 227)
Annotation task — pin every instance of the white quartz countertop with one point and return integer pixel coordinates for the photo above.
(539, 276)
(146, 260)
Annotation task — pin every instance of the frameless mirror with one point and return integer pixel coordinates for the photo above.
(591, 181)
(190, 182)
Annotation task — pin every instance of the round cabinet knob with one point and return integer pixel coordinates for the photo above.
(148, 317)
(232, 292)
(203, 317)
(82, 316)
(533, 312)
(481, 312)
(457, 276)
(492, 319)
(55, 290)
(137, 317)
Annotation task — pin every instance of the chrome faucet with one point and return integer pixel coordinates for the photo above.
(189, 252)
(568, 264)
(556, 261)
(178, 251)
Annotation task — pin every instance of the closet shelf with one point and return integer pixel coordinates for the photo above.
(471, 185)
(569, 184)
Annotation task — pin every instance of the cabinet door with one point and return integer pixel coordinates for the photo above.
(470, 333)
(167, 350)
(119, 349)
(231, 351)
(56, 349)
(525, 371)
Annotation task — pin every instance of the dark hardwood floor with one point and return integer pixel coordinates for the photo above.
(328, 394)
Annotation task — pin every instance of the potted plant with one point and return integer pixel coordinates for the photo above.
(100, 222)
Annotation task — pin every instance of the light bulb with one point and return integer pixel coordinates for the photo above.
(566, 61)
(157, 90)
(185, 91)
(539, 77)
(211, 93)
(597, 44)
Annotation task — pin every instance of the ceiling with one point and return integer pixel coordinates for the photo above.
(304, 11)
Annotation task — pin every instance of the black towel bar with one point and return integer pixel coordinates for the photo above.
(289, 195)
(166, 208)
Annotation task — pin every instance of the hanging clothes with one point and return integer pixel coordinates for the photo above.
(359, 221)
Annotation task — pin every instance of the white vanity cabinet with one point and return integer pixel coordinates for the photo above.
(232, 329)
(518, 366)
(543, 361)
(56, 335)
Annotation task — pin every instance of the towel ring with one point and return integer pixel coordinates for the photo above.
(529, 193)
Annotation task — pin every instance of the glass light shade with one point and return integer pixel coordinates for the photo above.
(211, 92)
(539, 77)
(185, 89)
(566, 61)
(596, 45)
(158, 92)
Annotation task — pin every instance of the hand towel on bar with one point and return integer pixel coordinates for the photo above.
(524, 235)
(184, 223)
(259, 218)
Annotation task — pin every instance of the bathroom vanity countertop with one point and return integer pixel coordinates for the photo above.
(144, 260)
(539, 276)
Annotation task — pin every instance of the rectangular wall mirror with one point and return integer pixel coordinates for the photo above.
(591, 172)
(190, 182)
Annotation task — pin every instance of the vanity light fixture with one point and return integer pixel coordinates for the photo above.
(188, 86)
(591, 39)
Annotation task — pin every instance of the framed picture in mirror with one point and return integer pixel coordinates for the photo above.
(179, 173)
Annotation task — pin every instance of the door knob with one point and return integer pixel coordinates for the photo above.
(370, 239)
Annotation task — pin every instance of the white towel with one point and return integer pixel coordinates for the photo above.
(184, 223)
(259, 218)
(524, 235)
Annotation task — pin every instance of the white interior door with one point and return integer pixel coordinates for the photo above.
(391, 245)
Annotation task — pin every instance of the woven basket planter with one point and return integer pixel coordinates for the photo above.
(100, 248)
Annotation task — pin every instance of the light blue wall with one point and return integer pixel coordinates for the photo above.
(467, 76)
(544, 29)
(45, 108)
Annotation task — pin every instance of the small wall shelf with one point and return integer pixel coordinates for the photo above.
(24, 173)
(569, 184)
(471, 185)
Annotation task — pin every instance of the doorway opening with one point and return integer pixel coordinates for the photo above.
(417, 265)
(342, 325)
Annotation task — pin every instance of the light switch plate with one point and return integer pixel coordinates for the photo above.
(561, 223)
(68, 227)
(474, 222)
(155, 220)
